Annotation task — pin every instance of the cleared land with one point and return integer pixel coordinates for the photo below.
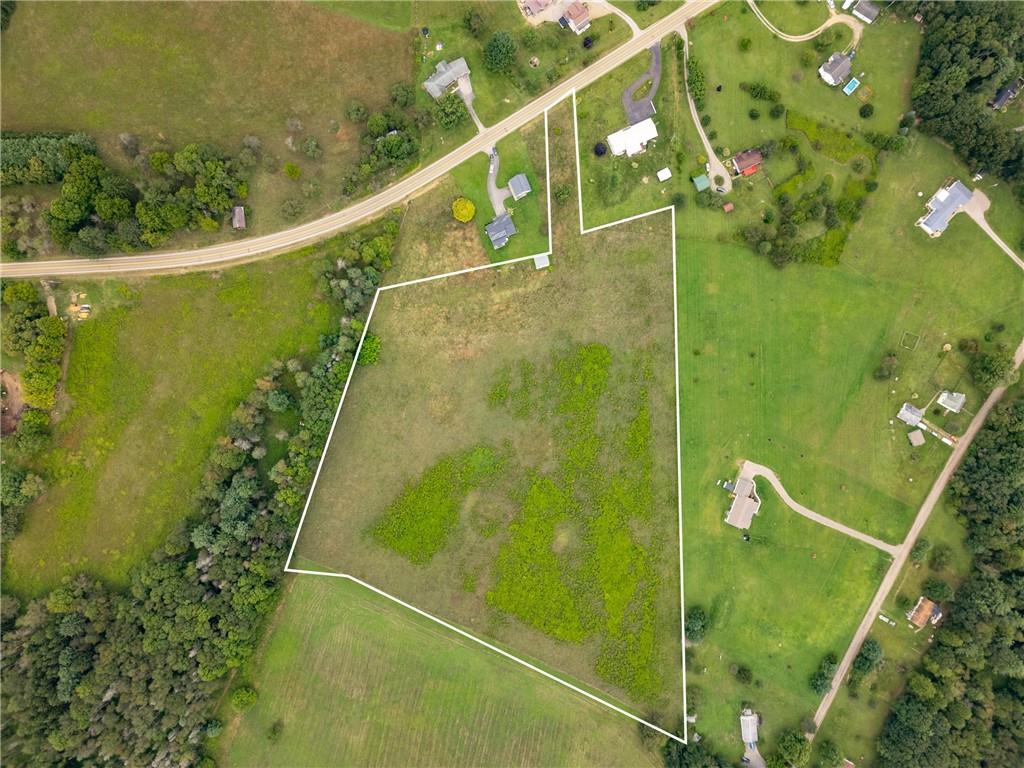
(356, 680)
(794, 18)
(213, 72)
(534, 501)
(650, 14)
(521, 152)
(152, 377)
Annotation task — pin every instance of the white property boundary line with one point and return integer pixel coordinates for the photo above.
(679, 478)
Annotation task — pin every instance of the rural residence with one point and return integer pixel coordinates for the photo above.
(910, 415)
(836, 69)
(633, 140)
(747, 163)
(953, 402)
(535, 7)
(519, 186)
(1006, 94)
(866, 11)
(576, 16)
(945, 204)
(448, 77)
(745, 503)
(500, 230)
(748, 728)
(925, 612)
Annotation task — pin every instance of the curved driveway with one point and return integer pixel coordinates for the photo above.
(279, 242)
(837, 18)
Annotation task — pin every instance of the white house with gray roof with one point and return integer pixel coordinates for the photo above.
(519, 186)
(945, 204)
(866, 11)
(910, 415)
(500, 230)
(448, 77)
(836, 69)
(953, 402)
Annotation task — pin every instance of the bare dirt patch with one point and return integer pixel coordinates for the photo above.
(12, 402)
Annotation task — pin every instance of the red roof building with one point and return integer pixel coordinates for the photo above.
(747, 163)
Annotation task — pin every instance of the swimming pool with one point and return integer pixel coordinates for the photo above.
(851, 86)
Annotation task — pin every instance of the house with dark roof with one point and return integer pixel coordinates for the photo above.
(519, 186)
(747, 163)
(866, 11)
(944, 204)
(925, 612)
(447, 77)
(500, 230)
(577, 17)
(836, 69)
(1005, 95)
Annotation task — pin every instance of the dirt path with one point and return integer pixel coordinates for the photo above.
(904, 551)
(836, 18)
(750, 470)
(717, 167)
(13, 403)
(975, 208)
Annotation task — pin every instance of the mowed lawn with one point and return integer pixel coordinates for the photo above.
(153, 377)
(795, 17)
(520, 152)
(777, 604)
(355, 680)
(207, 72)
(885, 64)
(562, 378)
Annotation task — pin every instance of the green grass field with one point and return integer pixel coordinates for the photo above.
(520, 152)
(857, 716)
(213, 72)
(795, 17)
(355, 680)
(395, 15)
(152, 378)
(651, 13)
(567, 553)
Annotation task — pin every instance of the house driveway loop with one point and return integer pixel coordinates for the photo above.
(637, 111)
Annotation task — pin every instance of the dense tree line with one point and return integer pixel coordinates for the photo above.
(93, 675)
(969, 51)
(391, 138)
(41, 158)
(964, 705)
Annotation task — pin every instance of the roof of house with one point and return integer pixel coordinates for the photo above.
(445, 73)
(238, 217)
(500, 230)
(837, 67)
(745, 504)
(748, 727)
(536, 6)
(1004, 94)
(866, 10)
(665, 174)
(952, 401)
(519, 185)
(747, 159)
(943, 204)
(923, 612)
(702, 182)
(910, 415)
(916, 438)
(577, 13)
(632, 140)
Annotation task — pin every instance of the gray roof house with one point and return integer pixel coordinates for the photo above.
(943, 206)
(445, 76)
(500, 230)
(952, 401)
(866, 11)
(916, 437)
(910, 415)
(238, 217)
(748, 728)
(836, 69)
(519, 186)
(745, 504)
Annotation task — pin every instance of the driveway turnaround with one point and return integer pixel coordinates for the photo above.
(640, 109)
(750, 470)
(836, 18)
(975, 208)
(224, 254)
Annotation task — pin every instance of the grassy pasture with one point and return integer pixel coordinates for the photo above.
(651, 13)
(521, 152)
(213, 72)
(400, 690)
(395, 15)
(152, 377)
(580, 402)
(794, 17)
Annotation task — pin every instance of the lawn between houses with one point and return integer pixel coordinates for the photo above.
(520, 152)
(152, 377)
(534, 502)
(348, 678)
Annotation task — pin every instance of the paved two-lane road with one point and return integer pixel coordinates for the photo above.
(279, 242)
